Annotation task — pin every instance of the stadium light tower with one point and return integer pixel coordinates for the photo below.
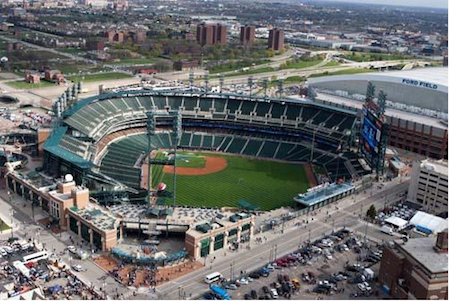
(177, 128)
(280, 87)
(381, 103)
(206, 80)
(191, 80)
(221, 81)
(151, 125)
(370, 93)
(265, 84)
(250, 84)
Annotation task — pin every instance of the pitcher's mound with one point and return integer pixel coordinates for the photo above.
(212, 165)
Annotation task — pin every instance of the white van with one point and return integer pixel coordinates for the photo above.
(387, 230)
(216, 276)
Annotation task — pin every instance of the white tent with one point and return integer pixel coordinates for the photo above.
(428, 223)
(397, 222)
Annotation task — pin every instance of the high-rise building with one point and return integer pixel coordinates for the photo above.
(276, 39)
(416, 269)
(429, 185)
(247, 35)
(211, 34)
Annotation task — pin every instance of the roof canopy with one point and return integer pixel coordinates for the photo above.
(247, 206)
(396, 221)
(429, 222)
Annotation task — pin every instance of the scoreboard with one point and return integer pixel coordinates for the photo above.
(373, 138)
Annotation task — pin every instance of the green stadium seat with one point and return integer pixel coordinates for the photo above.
(247, 107)
(262, 108)
(233, 105)
(277, 110)
(196, 140)
(269, 149)
(252, 147)
(207, 141)
(205, 104)
(174, 102)
(190, 103)
(236, 145)
(219, 104)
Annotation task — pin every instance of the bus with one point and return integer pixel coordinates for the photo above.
(35, 257)
(216, 276)
(20, 266)
(219, 292)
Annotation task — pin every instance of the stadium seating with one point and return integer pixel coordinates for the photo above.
(74, 146)
(102, 121)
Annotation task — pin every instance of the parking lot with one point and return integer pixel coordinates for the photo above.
(332, 266)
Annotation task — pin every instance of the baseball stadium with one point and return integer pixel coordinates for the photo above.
(188, 173)
(230, 148)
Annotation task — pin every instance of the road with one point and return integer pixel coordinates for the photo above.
(246, 260)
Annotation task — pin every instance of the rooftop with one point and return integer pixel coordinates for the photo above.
(421, 249)
(438, 166)
(431, 75)
(96, 216)
(339, 100)
(319, 194)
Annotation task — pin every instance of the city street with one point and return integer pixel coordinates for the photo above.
(248, 259)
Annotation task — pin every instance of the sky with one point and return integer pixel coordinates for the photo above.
(422, 3)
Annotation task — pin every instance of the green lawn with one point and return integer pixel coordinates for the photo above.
(235, 66)
(191, 160)
(341, 72)
(264, 183)
(100, 77)
(135, 61)
(332, 64)
(4, 226)
(369, 57)
(302, 64)
(21, 84)
(249, 72)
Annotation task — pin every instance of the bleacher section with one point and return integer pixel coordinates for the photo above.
(74, 146)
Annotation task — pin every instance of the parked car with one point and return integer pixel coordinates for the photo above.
(274, 293)
(254, 294)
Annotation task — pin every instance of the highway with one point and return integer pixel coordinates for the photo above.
(293, 236)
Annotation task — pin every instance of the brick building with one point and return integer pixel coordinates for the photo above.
(95, 45)
(139, 36)
(276, 39)
(416, 269)
(70, 207)
(32, 77)
(114, 36)
(247, 35)
(184, 65)
(211, 34)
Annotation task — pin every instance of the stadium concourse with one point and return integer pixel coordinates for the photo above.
(271, 147)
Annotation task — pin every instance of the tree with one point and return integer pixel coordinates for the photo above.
(372, 212)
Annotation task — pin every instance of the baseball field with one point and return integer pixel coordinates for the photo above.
(216, 180)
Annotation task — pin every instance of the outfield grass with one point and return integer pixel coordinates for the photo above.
(21, 84)
(267, 184)
(100, 77)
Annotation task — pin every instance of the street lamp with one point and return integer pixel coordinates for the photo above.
(11, 214)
